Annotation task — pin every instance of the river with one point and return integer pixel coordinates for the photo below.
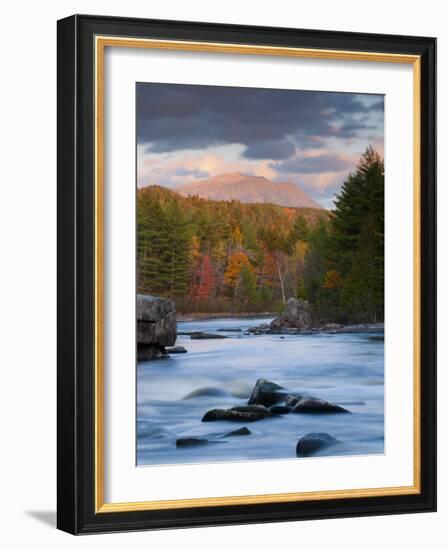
(346, 369)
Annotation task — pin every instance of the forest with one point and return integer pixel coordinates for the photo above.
(231, 257)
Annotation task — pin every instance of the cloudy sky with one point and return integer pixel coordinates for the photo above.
(313, 139)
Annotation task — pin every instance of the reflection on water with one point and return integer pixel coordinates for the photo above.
(347, 369)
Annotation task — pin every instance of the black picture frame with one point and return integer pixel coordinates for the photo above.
(76, 256)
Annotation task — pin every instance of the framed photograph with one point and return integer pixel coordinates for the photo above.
(246, 274)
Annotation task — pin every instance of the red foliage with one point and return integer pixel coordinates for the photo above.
(206, 279)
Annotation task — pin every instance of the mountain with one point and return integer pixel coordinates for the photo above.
(249, 189)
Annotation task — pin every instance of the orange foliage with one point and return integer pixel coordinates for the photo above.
(332, 279)
(237, 261)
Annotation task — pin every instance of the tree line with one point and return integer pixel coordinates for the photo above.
(227, 256)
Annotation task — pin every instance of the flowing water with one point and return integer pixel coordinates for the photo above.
(346, 369)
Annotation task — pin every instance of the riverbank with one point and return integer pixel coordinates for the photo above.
(328, 328)
(204, 316)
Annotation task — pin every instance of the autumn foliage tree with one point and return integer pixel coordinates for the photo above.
(206, 284)
(237, 262)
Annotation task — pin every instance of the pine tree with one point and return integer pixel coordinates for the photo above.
(176, 254)
(356, 244)
(247, 287)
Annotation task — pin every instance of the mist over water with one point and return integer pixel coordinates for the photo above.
(346, 369)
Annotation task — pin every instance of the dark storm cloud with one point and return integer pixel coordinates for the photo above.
(270, 149)
(270, 123)
(313, 165)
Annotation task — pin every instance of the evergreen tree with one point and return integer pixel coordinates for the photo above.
(247, 287)
(356, 244)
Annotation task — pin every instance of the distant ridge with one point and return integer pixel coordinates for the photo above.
(249, 189)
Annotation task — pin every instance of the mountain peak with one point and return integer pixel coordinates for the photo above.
(229, 177)
(249, 189)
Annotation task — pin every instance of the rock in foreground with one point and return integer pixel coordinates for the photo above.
(249, 413)
(265, 393)
(312, 443)
(240, 432)
(185, 442)
(314, 405)
(296, 315)
(156, 326)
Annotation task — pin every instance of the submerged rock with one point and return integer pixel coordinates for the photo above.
(151, 430)
(205, 336)
(265, 393)
(241, 431)
(193, 442)
(175, 349)
(264, 328)
(312, 443)
(314, 405)
(355, 329)
(238, 414)
(295, 315)
(207, 392)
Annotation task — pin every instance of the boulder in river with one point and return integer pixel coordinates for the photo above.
(184, 442)
(295, 315)
(156, 326)
(237, 414)
(207, 392)
(205, 336)
(175, 349)
(314, 405)
(266, 393)
(239, 432)
(312, 443)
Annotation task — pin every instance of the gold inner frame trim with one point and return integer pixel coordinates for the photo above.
(101, 42)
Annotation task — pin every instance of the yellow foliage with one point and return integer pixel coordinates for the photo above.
(237, 261)
(195, 249)
(301, 249)
(220, 251)
(237, 236)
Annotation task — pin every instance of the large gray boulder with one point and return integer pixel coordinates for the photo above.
(296, 315)
(156, 326)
